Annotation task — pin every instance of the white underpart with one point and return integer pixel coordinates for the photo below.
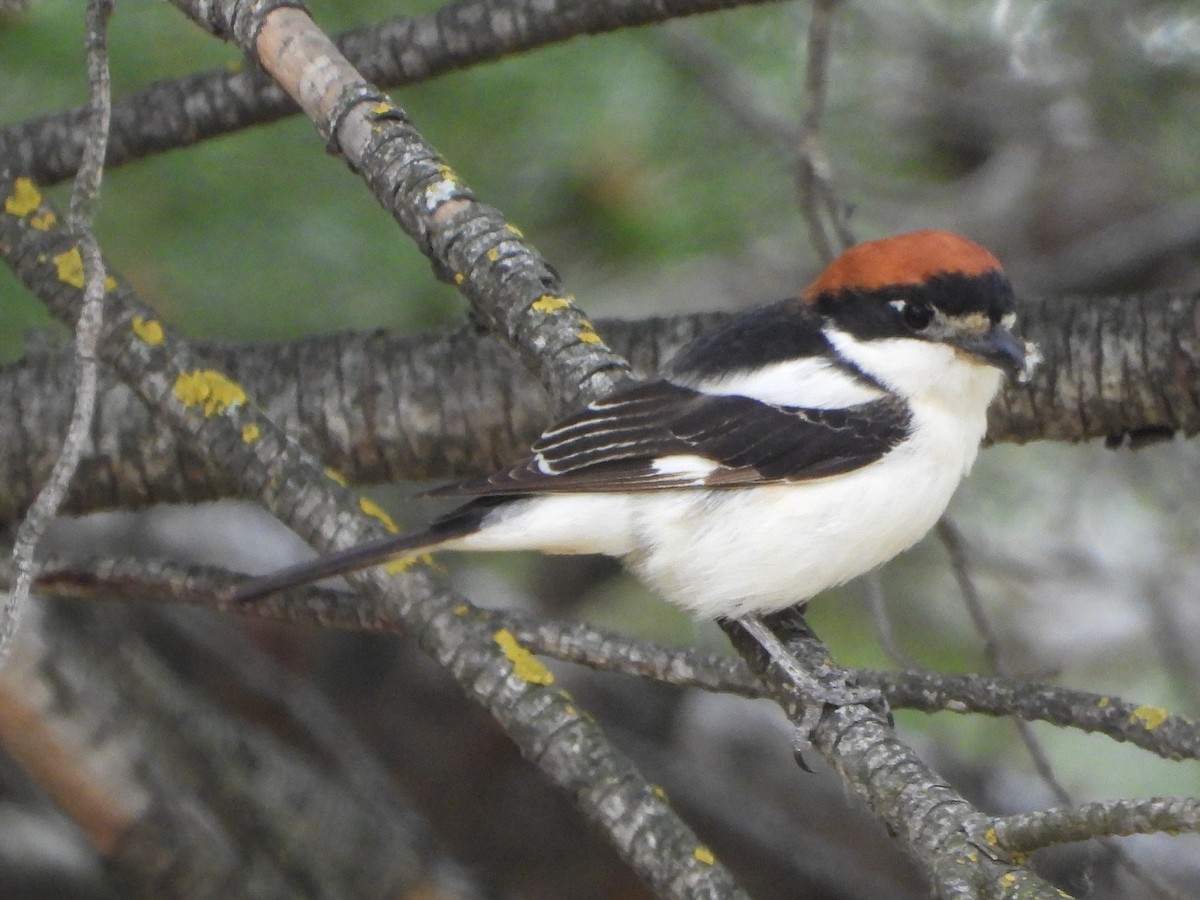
(810, 383)
(738, 551)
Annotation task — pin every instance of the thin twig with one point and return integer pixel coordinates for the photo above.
(950, 537)
(87, 331)
(728, 87)
(814, 174)
(877, 604)
(1172, 639)
(1034, 830)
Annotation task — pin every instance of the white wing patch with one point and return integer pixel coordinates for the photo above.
(807, 383)
(688, 464)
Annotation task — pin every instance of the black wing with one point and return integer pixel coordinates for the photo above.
(619, 443)
(777, 333)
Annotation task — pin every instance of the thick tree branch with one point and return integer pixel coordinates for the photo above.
(381, 407)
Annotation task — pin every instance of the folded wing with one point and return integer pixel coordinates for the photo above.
(661, 435)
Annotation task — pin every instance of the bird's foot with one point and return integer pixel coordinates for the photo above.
(818, 688)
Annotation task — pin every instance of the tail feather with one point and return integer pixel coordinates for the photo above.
(361, 557)
(462, 521)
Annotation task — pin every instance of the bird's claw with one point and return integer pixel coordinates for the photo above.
(818, 694)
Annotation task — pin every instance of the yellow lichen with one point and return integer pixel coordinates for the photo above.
(149, 330)
(548, 303)
(251, 433)
(704, 855)
(404, 563)
(24, 199)
(209, 389)
(590, 337)
(493, 254)
(375, 511)
(1149, 717)
(382, 108)
(45, 221)
(334, 475)
(514, 229)
(401, 564)
(525, 664)
(69, 266)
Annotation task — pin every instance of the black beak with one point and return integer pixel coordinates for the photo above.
(997, 347)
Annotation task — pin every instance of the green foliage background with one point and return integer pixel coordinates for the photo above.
(605, 156)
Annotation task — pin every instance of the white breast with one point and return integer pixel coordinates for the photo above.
(727, 553)
(759, 550)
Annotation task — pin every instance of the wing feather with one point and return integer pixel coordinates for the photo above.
(614, 444)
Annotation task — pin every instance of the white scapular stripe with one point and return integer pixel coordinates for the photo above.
(809, 383)
(685, 464)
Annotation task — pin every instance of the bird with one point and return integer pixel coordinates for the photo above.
(784, 452)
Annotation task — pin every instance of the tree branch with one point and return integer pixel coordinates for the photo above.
(1030, 831)
(404, 50)
(210, 410)
(381, 407)
(160, 581)
(87, 267)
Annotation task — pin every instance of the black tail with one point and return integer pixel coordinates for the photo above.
(462, 521)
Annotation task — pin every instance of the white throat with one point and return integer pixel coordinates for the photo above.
(925, 373)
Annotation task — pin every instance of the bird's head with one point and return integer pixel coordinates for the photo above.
(906, 309)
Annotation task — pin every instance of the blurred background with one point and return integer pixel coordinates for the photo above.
(655, 169)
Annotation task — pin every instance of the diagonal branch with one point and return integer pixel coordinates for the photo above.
(513, 291)
(212, 411)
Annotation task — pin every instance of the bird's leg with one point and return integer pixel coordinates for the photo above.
(806, 682)
(817, 685)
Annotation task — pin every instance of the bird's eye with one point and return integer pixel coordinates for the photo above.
(916, 315)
